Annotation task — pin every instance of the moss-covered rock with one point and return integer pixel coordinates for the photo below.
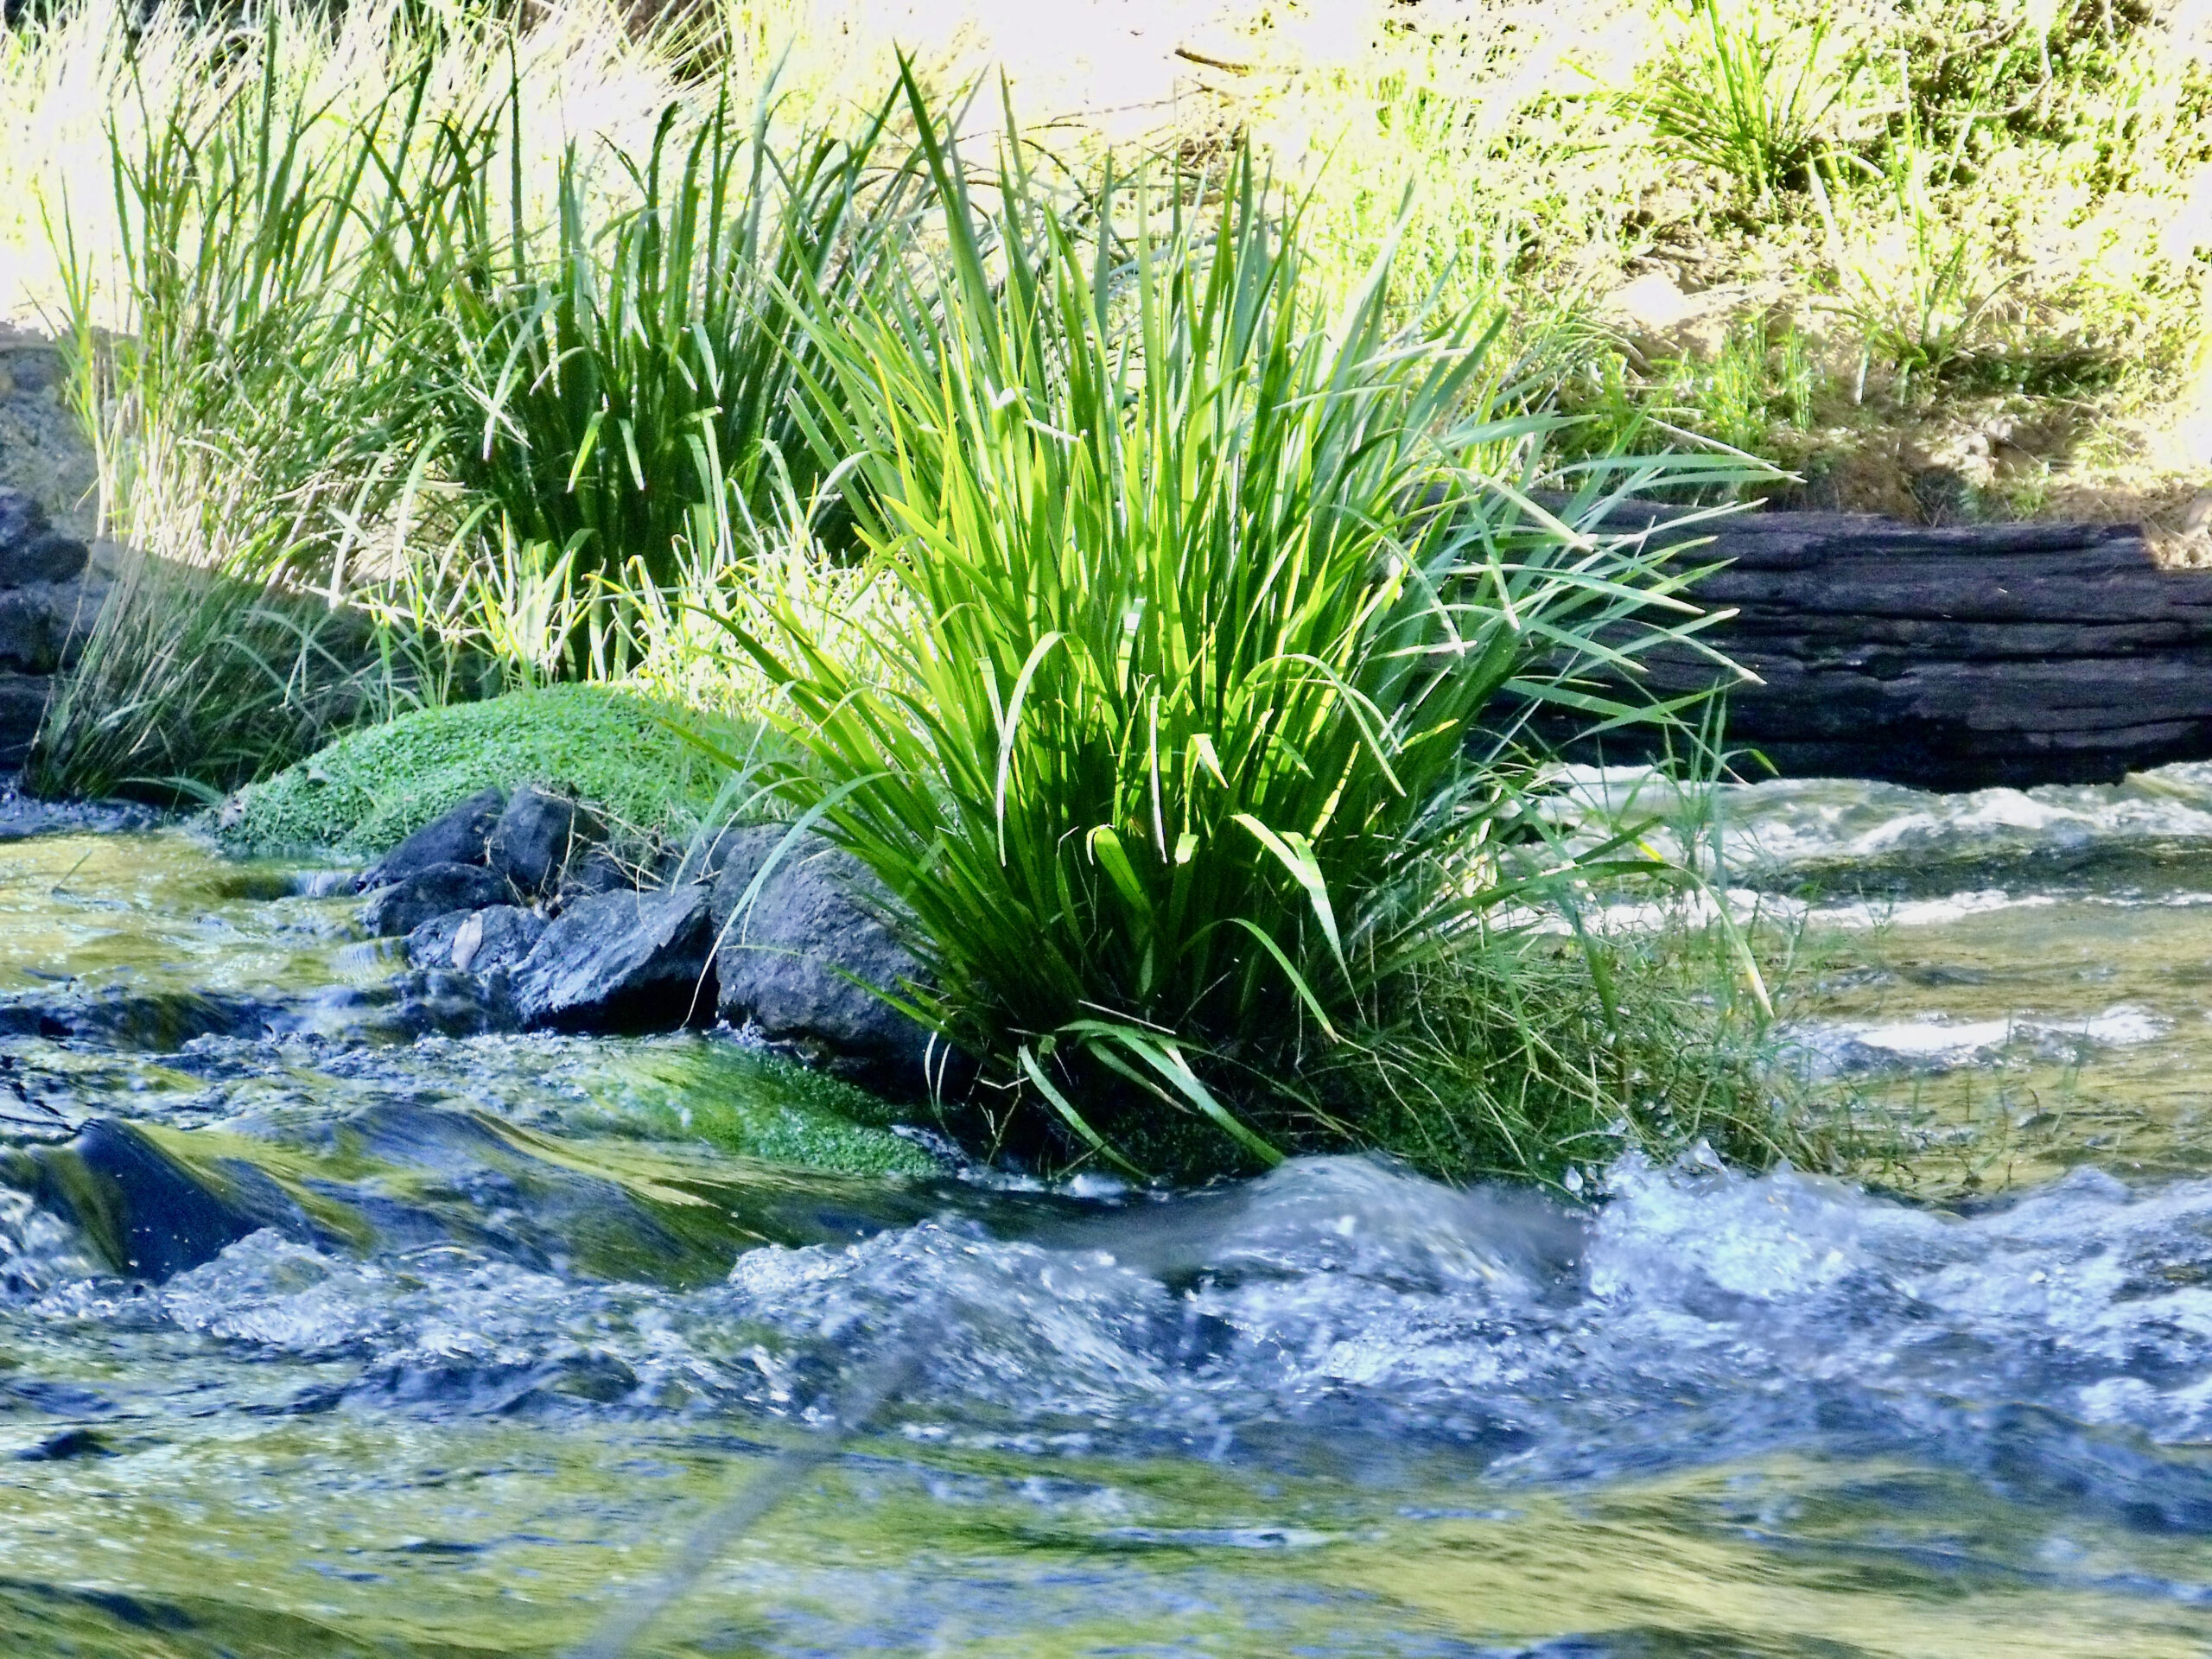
(368, 792)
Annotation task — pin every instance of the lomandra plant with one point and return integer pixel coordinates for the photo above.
(1200, 739)
(601, 385)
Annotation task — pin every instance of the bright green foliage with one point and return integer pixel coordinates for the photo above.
(1175, 773)
(369, 790)
(631, 389)
(252, 438)
(1744, 103)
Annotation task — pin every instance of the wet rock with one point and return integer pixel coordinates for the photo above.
(459, 838)
(782, 962)
(69, 1443)
(155, 1020)
(31, 549)
(621, 962)
(430, 892)
(537, 836)
(479, 942)
(20, 815)
(149, 1214)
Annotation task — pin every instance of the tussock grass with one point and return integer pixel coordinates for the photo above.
(1200, 752)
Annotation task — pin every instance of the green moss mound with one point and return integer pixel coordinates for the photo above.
(368, 792)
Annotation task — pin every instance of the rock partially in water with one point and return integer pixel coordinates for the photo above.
(487, 941)
(788, 961)
(539, 835)
(148, 1214)
(430, 892)
(621, 962)
(460, 837)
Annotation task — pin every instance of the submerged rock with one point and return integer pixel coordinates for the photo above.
(538, 835)
(787, 962)
(621, 962)
(459, 838)
(148, 1214)
(431, 891)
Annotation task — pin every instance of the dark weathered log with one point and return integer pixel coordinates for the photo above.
(1952, 658)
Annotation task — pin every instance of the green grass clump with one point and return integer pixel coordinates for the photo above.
(1199, 748)
(369, 790)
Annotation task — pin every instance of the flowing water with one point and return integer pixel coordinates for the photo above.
(525, 1312)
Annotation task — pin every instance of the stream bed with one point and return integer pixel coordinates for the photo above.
(527, 1310)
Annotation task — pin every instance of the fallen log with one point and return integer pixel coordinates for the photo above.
(1948, 658)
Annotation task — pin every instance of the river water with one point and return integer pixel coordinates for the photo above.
(529, 1310)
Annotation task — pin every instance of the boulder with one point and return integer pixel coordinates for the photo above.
(31, 549)
(538, 835)
(621, 962)
(404, 905)
(476, 941)
(23, 705)
(459, 838)
(783, 963)
(43, 625)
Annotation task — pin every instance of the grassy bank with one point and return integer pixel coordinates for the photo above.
(1135, 548)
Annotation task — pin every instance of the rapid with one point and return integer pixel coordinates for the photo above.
(529, 1309)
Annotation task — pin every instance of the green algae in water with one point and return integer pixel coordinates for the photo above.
(754, 1104)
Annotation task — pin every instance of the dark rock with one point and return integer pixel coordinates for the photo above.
(406, 905)
(538, 835)
(31, 549)
(783, 962)
(69, 1443)
(621, 962)
(597, 871)
(43, 626)
(478, 942)
(28, 642)
(459, 838)
(23, 705)
(431, 944)
(147, 1213)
